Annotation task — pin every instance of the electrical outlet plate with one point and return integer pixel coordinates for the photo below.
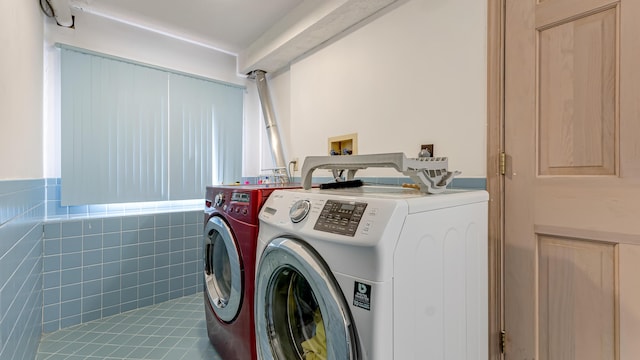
(429, 148)
(296, 164)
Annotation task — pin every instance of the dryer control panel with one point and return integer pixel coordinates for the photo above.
(340, 217)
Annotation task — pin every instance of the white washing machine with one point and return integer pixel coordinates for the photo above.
(372, 273)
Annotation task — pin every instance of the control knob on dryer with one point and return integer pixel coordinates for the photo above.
(299, 210)
(219, 199)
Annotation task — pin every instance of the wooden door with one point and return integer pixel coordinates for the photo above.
(572, 183)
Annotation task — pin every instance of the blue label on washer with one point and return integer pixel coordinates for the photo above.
(362, 295)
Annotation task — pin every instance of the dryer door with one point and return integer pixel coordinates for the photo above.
(222, 269)
(300, 310)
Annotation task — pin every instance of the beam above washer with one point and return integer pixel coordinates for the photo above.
(308, 26)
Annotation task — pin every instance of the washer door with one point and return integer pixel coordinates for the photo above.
(300, 310)
(222, 269)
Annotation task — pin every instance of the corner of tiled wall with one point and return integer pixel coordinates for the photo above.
(21, 214)
(100, 266)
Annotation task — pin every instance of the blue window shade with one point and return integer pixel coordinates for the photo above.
(132, 132)
(205, 127)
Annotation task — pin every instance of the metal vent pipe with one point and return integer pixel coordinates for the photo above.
(281, 171)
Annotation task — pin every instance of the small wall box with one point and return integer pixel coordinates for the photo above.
(344, 144)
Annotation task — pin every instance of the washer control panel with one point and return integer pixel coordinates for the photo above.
(340, 217)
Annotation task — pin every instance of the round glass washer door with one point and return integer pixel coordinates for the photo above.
(222, 269)
(300, 312)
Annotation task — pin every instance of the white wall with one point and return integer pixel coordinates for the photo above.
(21, 90)
(115, 38)
(99, 34)
(416, 75)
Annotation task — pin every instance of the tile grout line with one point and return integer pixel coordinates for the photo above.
(169, 341)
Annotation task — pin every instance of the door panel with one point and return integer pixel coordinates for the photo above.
(292, 279)
(223, 270)
(572, 187)
(629, 311)
(577, 122)
(550, 12)
(576, 299)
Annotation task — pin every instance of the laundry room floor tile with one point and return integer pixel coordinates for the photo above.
(172, 330)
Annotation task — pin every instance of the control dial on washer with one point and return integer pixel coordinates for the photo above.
(219, 199)
(299, 210)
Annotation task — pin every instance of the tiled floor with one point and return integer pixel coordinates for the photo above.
(172, 330)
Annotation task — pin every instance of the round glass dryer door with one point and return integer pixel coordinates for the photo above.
(301, 313)
(222, 269)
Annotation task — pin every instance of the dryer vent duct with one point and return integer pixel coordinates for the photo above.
(281, 172)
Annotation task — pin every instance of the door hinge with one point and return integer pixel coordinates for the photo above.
(503, 163)
(503, 340)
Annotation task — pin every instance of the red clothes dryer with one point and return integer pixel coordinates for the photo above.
(230, 239)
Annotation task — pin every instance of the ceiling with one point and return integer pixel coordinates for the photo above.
(263, 34)
(226, 25)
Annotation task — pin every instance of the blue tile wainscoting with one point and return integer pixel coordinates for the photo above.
(22, 209)
(102, 260)
(101, 266)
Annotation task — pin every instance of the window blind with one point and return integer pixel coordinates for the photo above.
(132, 132)
(205, 127)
